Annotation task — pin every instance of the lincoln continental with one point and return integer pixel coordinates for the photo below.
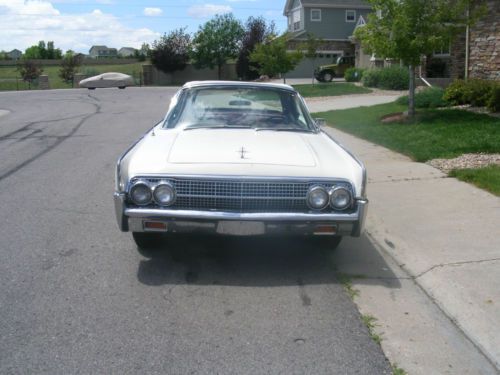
(235, 158)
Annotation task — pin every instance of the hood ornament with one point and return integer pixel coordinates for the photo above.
(242, 152)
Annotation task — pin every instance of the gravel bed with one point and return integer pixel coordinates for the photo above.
(465, 161)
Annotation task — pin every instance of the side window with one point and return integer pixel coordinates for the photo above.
(316, 15)
(350, 16)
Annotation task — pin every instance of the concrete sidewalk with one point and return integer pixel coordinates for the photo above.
(441, 236)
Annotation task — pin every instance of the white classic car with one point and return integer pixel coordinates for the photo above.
(239, 159)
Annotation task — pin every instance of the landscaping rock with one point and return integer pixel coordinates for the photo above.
(465, 161)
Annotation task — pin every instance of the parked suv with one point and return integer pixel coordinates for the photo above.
(325, 73)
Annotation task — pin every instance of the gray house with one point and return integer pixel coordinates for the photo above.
(126, 52)
(333, 21)
(99, 52)
(15, 54)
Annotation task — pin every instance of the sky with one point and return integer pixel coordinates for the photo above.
(79, 24)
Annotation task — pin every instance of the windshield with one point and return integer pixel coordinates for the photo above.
(237, 107)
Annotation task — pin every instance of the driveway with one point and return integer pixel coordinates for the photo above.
(77, 296)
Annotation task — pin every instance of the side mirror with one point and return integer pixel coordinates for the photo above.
(320, 122)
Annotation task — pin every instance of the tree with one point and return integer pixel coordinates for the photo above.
(53, 53)
(143, 53)
(311, 46)
(273, 57)
(256, 31)
(32, 53)
(171, 52)
(29, 71)
(69, 66)
(217, 41)
(408, 29)
(43, 51)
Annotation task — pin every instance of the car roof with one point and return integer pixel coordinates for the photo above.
(280, 86)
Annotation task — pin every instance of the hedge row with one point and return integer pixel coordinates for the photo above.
(391, 78)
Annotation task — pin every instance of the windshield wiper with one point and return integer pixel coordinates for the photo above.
(218, 127)
(285, 130)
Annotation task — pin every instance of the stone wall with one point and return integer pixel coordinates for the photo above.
(484, 47)
(457, 56)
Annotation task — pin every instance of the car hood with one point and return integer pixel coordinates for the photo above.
(231, 146)
(218, 152)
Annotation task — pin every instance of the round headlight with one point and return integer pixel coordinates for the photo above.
(140, 193)
(317, 197)
(341, 198)
(164, 194)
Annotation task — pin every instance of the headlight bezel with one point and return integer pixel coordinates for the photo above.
(169, 185)
(335, 191)
(312, 190)
(136, 185)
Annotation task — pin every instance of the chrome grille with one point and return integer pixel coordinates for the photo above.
(240, 195)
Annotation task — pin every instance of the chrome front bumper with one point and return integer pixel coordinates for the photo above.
(133, 219)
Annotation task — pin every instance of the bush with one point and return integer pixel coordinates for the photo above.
(391, 78)
(476, 92)
(353, 74)
(394, 78)
(454, 93)
(494, 101)
(370, 77)
(430, 97)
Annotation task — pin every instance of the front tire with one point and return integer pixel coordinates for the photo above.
(328, 76)
(147, 241)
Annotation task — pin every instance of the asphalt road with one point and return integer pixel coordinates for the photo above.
(77, 297)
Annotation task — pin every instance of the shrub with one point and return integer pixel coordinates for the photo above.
(478, 92)
(353, 74)
(454, 93)
(494, 101)
(394, 78)
(370, 78)
(430, 97)
(391, 78)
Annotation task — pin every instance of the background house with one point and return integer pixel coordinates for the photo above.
(15, 54)
(333, 21)
(98, 52)
(126, 52)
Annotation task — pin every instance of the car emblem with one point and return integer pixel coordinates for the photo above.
(242, 152)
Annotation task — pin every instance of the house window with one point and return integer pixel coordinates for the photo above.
(350, 16)
(296, 20)
(316, 15)
(443, 51)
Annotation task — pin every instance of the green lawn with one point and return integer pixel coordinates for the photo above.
(330, 89)
(487, 178)
(10, 72)
(435, 134)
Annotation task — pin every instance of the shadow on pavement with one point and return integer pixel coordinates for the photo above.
(259, 262)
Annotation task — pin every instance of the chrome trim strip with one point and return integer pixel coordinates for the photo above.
(363, 168)
(122, 220)
(359, 227)
(239, 177)
(225, 215)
